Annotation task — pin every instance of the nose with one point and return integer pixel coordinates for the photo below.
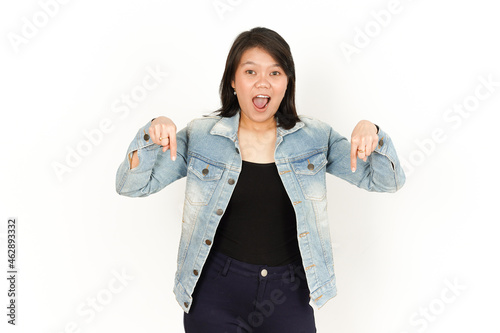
(262, 82)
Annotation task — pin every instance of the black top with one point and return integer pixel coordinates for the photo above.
(259, 224)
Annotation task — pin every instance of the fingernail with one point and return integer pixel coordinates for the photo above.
(173, 158)
(353, 169)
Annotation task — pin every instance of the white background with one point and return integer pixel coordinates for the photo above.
(396, 255)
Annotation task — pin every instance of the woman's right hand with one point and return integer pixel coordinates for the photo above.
(162, 131)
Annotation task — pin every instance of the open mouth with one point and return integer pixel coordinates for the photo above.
(261, 101)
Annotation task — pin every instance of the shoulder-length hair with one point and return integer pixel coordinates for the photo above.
(277, 47)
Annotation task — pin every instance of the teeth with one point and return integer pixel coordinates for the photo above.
(262, 96)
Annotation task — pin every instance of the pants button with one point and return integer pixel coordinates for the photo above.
(263, 272)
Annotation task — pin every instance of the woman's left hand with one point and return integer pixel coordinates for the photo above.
(364, 140)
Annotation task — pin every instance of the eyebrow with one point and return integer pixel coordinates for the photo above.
(249, 62)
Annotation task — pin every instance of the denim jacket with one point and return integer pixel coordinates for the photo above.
(208, 155)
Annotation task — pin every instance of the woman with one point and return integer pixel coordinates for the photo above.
(255, 247)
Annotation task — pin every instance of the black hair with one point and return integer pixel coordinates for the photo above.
(278, 48)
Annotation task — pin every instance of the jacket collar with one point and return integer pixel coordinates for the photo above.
(228, 127)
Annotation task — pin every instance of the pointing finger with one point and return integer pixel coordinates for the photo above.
(173, 145)
(354, 151)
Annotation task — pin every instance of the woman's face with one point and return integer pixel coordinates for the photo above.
(260, 84)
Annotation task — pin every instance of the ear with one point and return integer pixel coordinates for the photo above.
(232, 84)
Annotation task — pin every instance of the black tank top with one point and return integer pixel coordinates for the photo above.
(259, 224)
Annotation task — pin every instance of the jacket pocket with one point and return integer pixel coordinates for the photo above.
(310, 173)
(202, 179)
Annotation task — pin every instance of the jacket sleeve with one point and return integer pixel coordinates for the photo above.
(381, 172)
(155, 170)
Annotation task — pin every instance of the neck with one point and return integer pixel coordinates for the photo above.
(253, 126)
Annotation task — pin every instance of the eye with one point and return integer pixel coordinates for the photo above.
(249, 71)
(275, 73)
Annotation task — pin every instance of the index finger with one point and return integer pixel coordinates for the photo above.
(354, 151)
(173, 145)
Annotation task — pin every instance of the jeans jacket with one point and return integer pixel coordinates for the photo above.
(208, 155)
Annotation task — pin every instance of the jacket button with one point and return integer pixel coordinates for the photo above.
(208, 242)
(195, 272)
(219, 211)
(186, 304)
(310, 166)
(381, 142)
(146, 137)
(231, 181)
(204, 171)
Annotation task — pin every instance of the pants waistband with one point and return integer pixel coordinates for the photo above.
(252, 270)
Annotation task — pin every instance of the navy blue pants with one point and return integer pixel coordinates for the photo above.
(236, 297)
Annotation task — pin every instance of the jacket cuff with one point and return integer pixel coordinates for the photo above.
(146, 150)
(386, 148)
